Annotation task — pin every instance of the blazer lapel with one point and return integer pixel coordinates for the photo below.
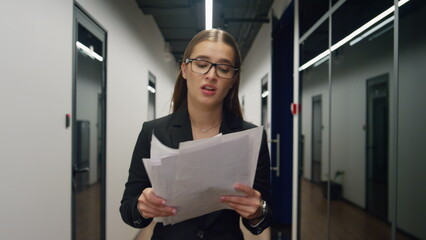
(230, 123)
(180, 127)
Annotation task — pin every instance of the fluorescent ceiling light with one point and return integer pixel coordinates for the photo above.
(352, 35)
(368, 33)
(209, 14)
(89, 51)
(151, 89)
(321, 61)
(315, 59)
(380, 33)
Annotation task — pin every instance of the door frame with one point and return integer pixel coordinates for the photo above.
(370, 82)
(316, 98)
(84, 18)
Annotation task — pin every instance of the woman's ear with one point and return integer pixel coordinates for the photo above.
(183, 69)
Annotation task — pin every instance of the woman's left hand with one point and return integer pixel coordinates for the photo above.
(247, 206)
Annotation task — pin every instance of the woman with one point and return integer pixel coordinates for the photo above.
(205, 103)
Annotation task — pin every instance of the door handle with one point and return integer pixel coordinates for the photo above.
(81, 170)
(76, 170)
(277, 167)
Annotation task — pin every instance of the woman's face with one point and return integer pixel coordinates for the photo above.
(208, 90)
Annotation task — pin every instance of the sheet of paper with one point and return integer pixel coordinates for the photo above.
(193, 177)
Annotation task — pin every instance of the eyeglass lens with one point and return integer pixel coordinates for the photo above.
(222, 70)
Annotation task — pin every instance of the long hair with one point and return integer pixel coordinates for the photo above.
(231, 102)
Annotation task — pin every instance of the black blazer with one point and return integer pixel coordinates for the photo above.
(222, 224)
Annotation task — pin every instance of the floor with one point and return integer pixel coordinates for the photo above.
(88, 213)
(145, 234)
(348, 222)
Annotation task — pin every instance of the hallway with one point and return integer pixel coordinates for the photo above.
(368, 73)
(347, 221)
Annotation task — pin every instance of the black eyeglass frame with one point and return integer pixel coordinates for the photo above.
(190, 60)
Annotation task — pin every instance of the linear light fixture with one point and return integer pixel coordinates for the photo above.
(314, 60)
(265, 94)
(369, 32)
(209, 14)
(151, 89)
(352, 35)
(321, 61)
(89, 51)
(376, 35)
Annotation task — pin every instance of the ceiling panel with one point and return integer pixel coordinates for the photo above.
(180, 20)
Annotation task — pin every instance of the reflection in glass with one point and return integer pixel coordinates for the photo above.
(362, 67)
(365, 130)
(310, 11)
(89, 115)
(411, 196)
(314, 99)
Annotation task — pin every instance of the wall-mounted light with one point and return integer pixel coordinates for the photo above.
(209, 14)
(151, 89)
(88, 51)
(354, 34)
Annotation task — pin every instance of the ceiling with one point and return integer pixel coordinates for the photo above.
(180, 20)
(347, 18)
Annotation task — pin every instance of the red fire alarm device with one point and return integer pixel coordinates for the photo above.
(67, 120)
(295, 108)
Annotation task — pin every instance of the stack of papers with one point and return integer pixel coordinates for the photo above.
(193, 177)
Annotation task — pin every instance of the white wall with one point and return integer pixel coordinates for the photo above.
(255, 66)
(35, 95)
(135, 46)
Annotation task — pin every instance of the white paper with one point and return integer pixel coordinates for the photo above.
(193, 177)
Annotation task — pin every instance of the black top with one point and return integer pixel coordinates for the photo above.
(222, 224)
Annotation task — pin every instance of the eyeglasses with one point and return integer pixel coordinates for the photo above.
(203, 66)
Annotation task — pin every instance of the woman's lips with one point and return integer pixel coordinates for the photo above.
(208, 90)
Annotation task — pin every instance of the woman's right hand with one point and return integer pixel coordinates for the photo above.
(151, 205)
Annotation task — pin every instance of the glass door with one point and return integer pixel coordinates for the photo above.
(88, 160)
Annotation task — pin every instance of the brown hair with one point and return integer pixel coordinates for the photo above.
(231, 102)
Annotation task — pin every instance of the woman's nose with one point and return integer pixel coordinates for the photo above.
(211, 74)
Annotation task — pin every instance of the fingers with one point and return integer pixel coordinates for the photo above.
(152, 198)
(247, 206)
(151, 205)
(245, 211)
(249, 191)
(241, 202)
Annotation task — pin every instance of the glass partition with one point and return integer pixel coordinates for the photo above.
(362, 69)
(363, 122)
(411, 150)
(314, 99)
